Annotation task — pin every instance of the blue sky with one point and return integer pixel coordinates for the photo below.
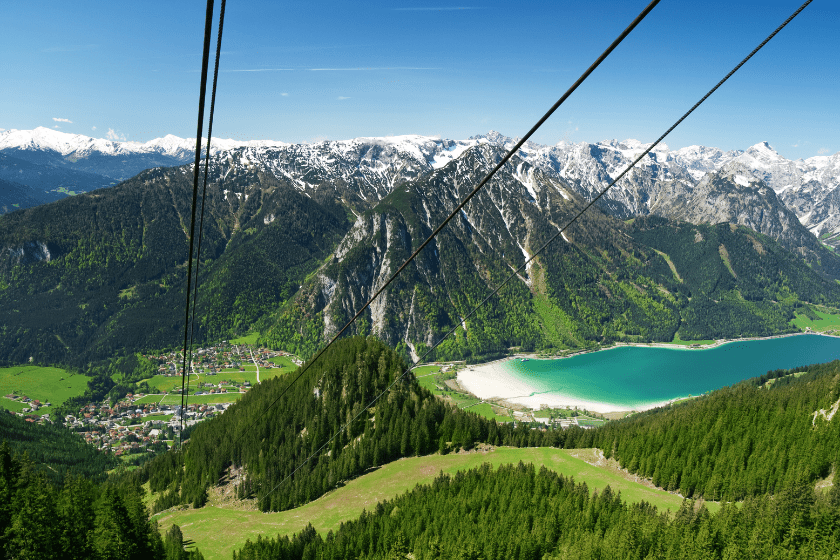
(334, 70)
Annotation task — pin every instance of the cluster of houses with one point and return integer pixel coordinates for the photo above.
(213, 359)
(123, 427)
(34, 404)
(131, 427)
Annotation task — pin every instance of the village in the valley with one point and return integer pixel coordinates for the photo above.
(150, 419)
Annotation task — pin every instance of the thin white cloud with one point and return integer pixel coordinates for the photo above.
(94, 128)
(70, 48)
(260, 70)
(284, 94)
(57, 119)
(363, 69)
(56, 126)
(445, 9)
(342, 98)
(823, 151)
(113, 135)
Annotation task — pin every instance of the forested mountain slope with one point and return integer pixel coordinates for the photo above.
(77, 519)
(102, 274)
(746, 440)
(54, 450)
(734, 282)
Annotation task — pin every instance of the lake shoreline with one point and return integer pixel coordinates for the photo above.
(489, 380)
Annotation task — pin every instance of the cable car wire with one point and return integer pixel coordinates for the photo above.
(544, 246)
(463, 202)
(205, 62)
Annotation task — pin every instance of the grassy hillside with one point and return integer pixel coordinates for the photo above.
(386, 483)
(47, 384)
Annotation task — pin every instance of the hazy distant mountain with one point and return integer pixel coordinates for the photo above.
(58, 163)
(14, 196)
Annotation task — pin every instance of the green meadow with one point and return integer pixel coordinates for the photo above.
(828, 320)
(247, 339)
(203, 399)
(428, 378)
(220, 528)
(47, 384)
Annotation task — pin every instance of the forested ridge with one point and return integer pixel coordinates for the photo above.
(762, 444)
(739, 441)
(406, 421)
(54, 449)
(519, 513)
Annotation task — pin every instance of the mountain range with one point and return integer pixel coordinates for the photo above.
(297, 237)
(364, 170)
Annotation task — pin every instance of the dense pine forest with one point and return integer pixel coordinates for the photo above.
(750, 439)
(54, 450)
(519, 513)
(78, 518)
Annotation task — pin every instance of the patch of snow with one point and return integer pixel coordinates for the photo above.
(447, 155)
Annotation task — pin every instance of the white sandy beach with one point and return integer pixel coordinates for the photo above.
(492, 381)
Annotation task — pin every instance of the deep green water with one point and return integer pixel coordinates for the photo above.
(633, 377)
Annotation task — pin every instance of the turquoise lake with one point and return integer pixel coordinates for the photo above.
(634, 377)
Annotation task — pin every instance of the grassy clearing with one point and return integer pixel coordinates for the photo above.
(286, 366)
(47, 384)
(203, 399)
(595, 422)
(148, 399)
(678, 340)
(428, 378)
(489, 411)
(152, 417)
(247, 339)
(218, 530)
(827, 320)
(769, 382)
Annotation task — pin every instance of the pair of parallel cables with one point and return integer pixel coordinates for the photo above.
(192, 282)
(501, 163)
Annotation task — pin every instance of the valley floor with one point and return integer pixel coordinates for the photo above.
(223, 525)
